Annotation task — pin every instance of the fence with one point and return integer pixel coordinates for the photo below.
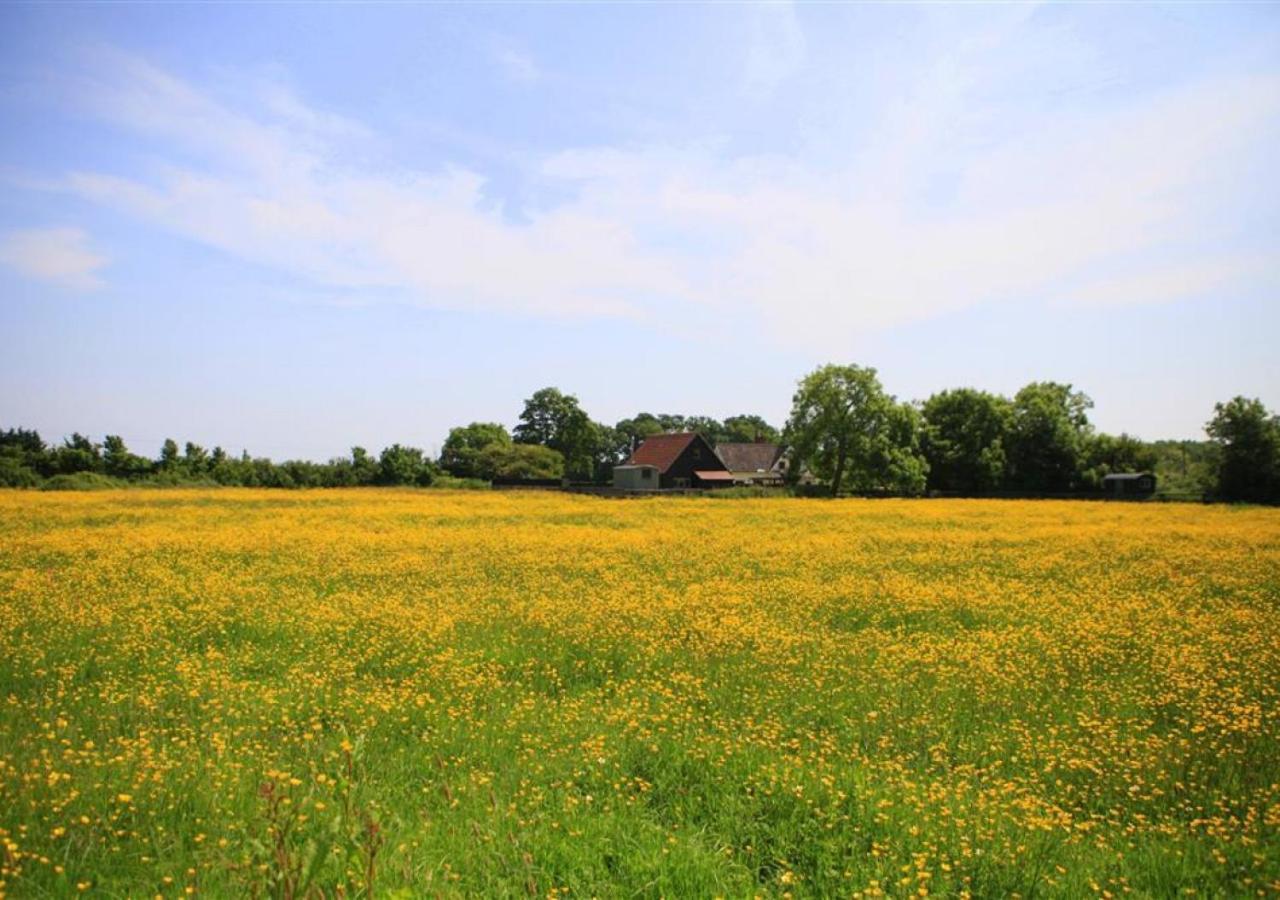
(818, 491)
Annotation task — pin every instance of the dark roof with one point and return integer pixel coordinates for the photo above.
(754, 457)
(661, 450)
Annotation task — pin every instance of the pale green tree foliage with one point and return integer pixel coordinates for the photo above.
(847, 431)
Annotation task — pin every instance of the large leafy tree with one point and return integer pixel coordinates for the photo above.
(964, 439)
(462, 448)
(1048, 437)
(556, 420)
(849, 432)
(1249, 438)
(639, 427)
(548, 418)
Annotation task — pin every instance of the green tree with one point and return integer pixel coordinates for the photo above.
(853, 435)
(1187, 467)
(169, 455)
(629, 434)
(546, 416)
(1048, 437)
(964, 439)
(743, 428)
(225, 470)
(1249, 440)
(404, 465)
(117, 461)
(14, 473)
(25, 455)
(556, 420)
(498, 460)
(195, 459)
(747, 428)
(711, 429)
(364, 468)
(1105, 454)
(636, 429)
(612, 448)
(462, 447)
(77, 454)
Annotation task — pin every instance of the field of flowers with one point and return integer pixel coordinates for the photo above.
(422, 693)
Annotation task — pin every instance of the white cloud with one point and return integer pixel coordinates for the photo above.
(515, 64)
(58, 255)
(1035, 210)
(1174, 280)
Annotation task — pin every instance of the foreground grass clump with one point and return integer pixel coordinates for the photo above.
(421, 693)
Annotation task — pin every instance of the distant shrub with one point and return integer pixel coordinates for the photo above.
(81, 481)
(15, 475)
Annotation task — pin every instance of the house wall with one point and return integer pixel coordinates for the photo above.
(698, 455)
(753, 477)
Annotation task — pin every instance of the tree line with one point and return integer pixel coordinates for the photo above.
(26, 461)
(853, 436)
(845, 432)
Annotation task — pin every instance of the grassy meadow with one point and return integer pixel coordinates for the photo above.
(417, 693)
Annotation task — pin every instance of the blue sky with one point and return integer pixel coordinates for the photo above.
(295, 228)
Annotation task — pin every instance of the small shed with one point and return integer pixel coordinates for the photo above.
(1129, 484)
(636, 477)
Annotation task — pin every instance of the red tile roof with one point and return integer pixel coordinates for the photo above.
(661, 450)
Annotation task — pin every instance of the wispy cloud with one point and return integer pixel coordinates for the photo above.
(1033, 212)
(515, 64)
(61, 256)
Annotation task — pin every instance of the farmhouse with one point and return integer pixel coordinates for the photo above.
(673, 461)
(758, 462)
